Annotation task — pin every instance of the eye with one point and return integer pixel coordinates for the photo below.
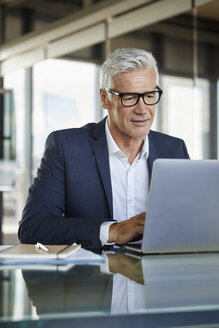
(150, 95)
(129, 97)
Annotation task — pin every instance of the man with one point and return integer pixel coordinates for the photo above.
(92, 184)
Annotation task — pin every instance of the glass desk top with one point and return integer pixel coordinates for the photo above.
(163, 291)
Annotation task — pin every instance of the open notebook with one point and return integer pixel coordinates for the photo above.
(29, 252)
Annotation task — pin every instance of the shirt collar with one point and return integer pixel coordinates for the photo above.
(113, 147)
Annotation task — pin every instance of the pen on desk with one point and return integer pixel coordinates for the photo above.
(41, 246)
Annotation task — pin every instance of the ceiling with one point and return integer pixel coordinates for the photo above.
(35, 13)
(210, 11)
(38, 39)
(56, 9)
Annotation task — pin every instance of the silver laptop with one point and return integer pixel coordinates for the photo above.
(183, 212)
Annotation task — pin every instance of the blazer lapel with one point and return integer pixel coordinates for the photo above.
(101, 154)
(100, 149)
(152, 154)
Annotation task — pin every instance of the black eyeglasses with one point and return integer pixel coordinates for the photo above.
(130, 99)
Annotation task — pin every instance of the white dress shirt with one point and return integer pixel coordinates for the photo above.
(130, 183)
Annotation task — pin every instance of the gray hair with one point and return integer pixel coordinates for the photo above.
(124, 60)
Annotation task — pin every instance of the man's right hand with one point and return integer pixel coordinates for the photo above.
(129, 230)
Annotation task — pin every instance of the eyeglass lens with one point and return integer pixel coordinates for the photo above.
(149, 98)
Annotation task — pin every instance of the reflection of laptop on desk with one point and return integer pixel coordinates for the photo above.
(183, 213)
(185, 283)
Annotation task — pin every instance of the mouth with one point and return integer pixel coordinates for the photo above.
(140, 122)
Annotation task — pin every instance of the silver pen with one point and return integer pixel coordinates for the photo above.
(41, 246)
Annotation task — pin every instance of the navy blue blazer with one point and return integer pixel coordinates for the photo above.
(72, 196)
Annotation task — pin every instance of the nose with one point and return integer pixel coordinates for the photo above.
(141, 107)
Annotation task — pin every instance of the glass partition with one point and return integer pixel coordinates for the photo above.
(14, 148)
(185, 113)
(64, 94)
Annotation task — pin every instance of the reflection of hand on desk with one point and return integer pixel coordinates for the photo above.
(128, 294)
(127, 266)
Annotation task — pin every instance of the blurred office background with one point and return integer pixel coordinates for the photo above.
(50, 54)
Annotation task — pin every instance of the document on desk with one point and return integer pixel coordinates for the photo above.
(48, 254)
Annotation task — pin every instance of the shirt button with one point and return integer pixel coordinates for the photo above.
(130, 200)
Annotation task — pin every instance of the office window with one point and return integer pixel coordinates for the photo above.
(185, 113)
(13, 200)
(218, 119)
(64, 96)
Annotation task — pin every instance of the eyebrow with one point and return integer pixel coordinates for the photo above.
(157, 88)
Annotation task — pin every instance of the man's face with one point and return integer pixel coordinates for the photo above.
(136, 121)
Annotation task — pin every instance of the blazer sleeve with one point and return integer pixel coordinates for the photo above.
(44, 214)
(186, 154)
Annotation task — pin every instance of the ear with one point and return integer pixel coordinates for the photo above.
(104, 99)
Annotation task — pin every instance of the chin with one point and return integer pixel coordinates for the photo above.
(140, 134)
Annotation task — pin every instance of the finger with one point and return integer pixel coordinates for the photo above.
(137, 220)
(139, 229)
(140, 216)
